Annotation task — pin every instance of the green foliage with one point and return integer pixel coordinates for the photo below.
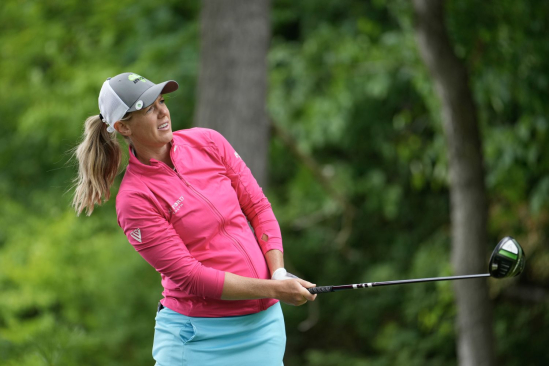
(74, 292)
(347, 83)
(354, 93)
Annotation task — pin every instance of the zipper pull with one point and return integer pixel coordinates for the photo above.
(179, 175)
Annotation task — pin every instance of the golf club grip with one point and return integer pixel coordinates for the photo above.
(320, 289)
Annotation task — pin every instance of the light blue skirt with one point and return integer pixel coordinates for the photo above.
(247, 340)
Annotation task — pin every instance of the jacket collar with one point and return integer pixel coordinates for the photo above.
(155, 167)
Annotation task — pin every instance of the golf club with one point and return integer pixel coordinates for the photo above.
(507, 260)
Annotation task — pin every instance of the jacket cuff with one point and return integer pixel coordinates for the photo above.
(270, 245)
(212, 283)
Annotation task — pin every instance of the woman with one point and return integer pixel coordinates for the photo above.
(184, 204)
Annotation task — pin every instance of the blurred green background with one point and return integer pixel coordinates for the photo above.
(346, 81)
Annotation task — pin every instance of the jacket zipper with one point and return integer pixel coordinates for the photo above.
(224, 231)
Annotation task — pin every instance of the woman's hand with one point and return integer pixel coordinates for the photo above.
(293, 291)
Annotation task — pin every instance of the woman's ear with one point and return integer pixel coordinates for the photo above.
(123, 128)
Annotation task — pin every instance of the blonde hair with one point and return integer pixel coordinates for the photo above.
(99, 155)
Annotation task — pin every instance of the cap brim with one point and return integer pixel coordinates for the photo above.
(150, 95)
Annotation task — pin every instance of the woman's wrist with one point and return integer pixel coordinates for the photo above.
(273, 290)
(275, 260)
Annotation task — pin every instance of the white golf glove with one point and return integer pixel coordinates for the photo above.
(282, 274)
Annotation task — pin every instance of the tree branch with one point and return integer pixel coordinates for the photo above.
(314, 167)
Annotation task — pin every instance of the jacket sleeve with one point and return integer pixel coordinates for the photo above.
(253, 202)
(155, 239)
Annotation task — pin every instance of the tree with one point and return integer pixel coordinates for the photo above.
(467, 188)
(232, 81)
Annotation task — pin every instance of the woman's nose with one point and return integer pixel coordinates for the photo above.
(162, 109)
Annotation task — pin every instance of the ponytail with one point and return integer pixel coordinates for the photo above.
(98, 156)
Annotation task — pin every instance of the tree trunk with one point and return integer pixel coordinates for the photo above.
(467, 190)
(232, 82)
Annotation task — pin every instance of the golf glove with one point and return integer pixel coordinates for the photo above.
(282, 274)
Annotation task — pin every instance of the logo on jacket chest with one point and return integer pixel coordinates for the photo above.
(177, 204)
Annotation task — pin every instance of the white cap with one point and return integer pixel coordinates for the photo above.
(128, 92)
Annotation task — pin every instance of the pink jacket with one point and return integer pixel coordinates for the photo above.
(190, 224)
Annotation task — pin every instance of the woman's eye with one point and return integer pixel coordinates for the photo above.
(162, 101)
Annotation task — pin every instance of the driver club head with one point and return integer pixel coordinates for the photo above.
(507, 259)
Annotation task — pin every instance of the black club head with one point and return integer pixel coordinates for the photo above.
(507, 259)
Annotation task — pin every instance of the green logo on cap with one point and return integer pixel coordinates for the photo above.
(135, 78)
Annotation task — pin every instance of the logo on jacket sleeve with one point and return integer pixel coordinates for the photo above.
(136, 234)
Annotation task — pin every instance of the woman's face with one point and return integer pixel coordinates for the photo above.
(150, 127)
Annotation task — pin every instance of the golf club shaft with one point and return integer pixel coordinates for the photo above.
(321, 289)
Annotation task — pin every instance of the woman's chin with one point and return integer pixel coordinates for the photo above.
(166, 136)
